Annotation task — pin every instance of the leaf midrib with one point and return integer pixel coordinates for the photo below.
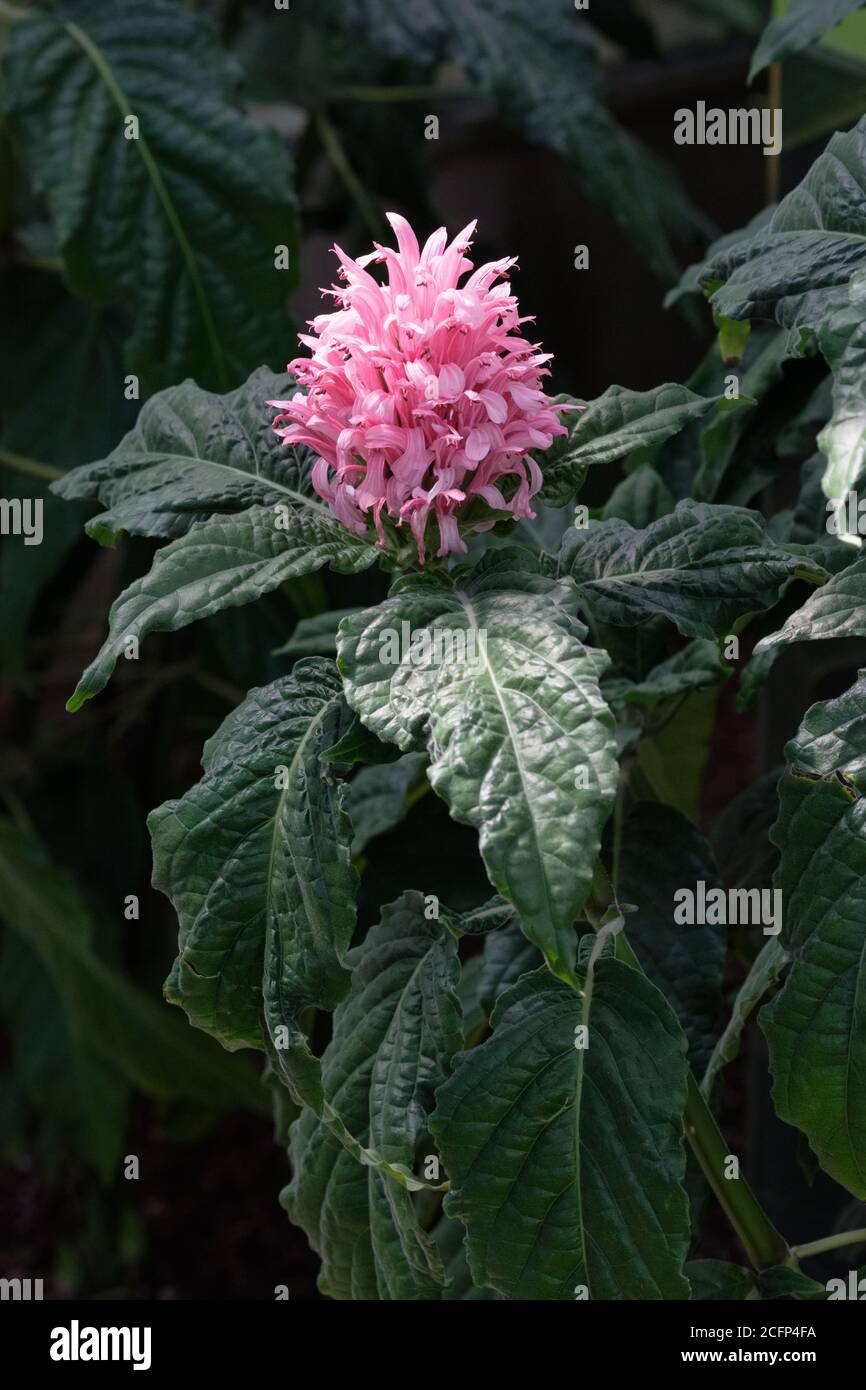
(118, 96)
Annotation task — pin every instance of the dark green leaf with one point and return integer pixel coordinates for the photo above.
(802, 24)
(221, 563)
(565, 1162)
(180, 217)
(611, 427)
(521, 743)
(816, 1027)
(703, 567)
(662, 852)
(392, 1043)
(255, 859)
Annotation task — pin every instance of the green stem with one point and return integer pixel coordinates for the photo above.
(334, 149)
(818, 1247)
(761, 1241)
(34, 467)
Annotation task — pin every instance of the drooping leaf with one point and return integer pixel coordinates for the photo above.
(741, 834)
(806, 268)
(377, 799)
(109, 1016)
(766, 969)
(816, 1026)
(255, 859)
(507, 956)
(780, 1281)
(802, 24)
(221, 563)
(316, 636)
(449, 1236)
(661, 853)
(695, 667)
(192, 454)
(703, 567)
(674, 757)
(718, 1281)
(611, 427)
(692, 279)
(727, 434)
(565, 1162)
(504, 695)
(836, 609)
(181, 214)
(639, 499)
(391, 1046)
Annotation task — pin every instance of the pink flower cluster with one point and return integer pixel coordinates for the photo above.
(421, 394)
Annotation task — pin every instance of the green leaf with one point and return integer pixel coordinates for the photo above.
(391, 1046)
(611, 427)
(449, 1236)
(316, 636)
(718, 1281)
(378, 797)
(724, 435)
(697, 666)
(804, 23)
(661, 853)
(816, 1026)
(835, 610)
(108, 1015)
(507, 956)
(639, 499)
(255, 859)
(806, 268)
(703, 567)
(674, 758)
(741, 834)
(692, 279)
(508, 706)
(221, 563)
(780, 1281)
(766, 969)
(180, 217)
(566, 1163)
(552, 92)
(191, 454)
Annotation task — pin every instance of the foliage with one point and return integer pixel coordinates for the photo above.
(492, 1089)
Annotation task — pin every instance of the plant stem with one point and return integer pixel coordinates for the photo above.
(337, 155)
(761, 1241)
(817, 1247)
(34, 467)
